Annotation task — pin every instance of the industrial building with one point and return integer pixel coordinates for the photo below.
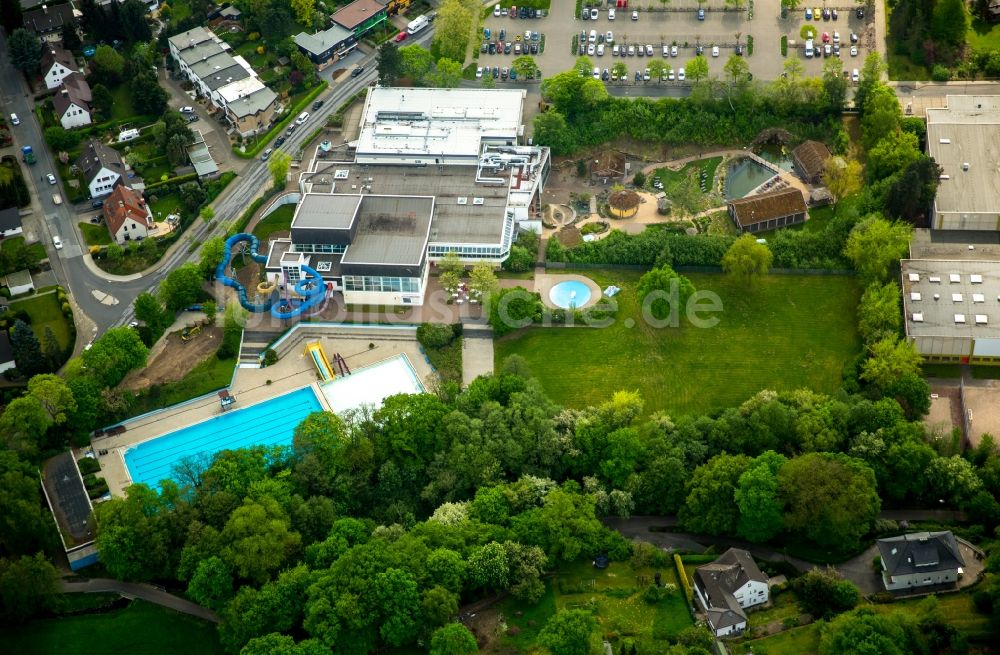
(964, 139)
(433, 171)
(952, 309)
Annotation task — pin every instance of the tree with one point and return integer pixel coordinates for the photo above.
(453, 639)
(949, 23)
(489, 568)
(834, 85)
(824, 593)
(107, 65)
(390, 64)
(747, 259)
(889, 360)
(878, 312)
(483, 280)
(114, 354)
(891, 154)
(28, 586)
(952, 479)
(417, 62)
(842, 176)
(304, 11)
(863, 632)
(27, 351)
(150, 311)
(710, 507)
(70, 38)
(911, 195)
(524, 65)
(210, 256)
(181, 287)
(697, 69)
(51, 349)
(60, 138)
(396, 596)
(488, 82)
(619, 71)
(569, 632)
(829, 498)
(257, 538)
(757, 498)
(278, 166)
(53, 395)
(102, 100)
(552, 130)
(212, 584)
(656, 69)
(875, 245)
(881, 117)
(737, 70)
(452, 29)
(447, 74)
(23, 424)
(25, 50)
(148, 96)
(871, 76)
(665, 293)
(438, 607)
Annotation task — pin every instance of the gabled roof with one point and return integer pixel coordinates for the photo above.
(96, 156)
(718, 581)
(6, 352)
(55, 53)
(10, 219)
(811, 156)
(766, 206)
(48, 19)
(124, 204)
(920, 552)
(357, 13)
(73, 91)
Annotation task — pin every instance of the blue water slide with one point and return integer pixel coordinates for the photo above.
(311, 287)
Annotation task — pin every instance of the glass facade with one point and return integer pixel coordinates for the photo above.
(319, 247)
(381, 283)
(466, 252)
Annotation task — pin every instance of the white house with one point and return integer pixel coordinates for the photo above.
(71, 103)
(102, 168)
(57, 63)
(727, 586)
(19, 282)
(127, 215)
(920, 559)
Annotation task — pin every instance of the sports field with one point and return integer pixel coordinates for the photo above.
(783, 332)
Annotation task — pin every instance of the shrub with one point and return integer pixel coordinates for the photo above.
(435, 335)
(88, 465)
(682, 576)
(940, 73)
(784, 46)
(655, 593)
(270, 357)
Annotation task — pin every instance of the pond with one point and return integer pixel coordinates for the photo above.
(776, 154)
(743, 176)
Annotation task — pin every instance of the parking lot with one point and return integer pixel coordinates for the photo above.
(679, 27)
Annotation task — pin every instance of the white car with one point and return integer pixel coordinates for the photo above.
(611, 14)
(187, 110)
(593, 36)
(51, 178)
(496, 11)
(715, 51)
(597, 73)
(649, 50)
(635, 15)
(631, 50)
(590, 50)
(645, 75)
(836, 37)
(600, 49)
(614, 50)
(680, 74)
(666, 51)
(854, 51)
(609, 36)
(673, 51)
(303, 117)
(479, 69)
(57, 242)
(527, 35)
(854, 75)
(593, 14)
(670, 75)
(14, 120)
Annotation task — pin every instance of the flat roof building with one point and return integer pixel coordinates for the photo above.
(324, 47)
(360, 16)
(964, 139)
(952, 309)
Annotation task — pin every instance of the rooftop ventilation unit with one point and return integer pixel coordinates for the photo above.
(934, 278)
(915, 295)
(956, 297)
(937, 296)
(981, 319)
(978, 297)
(954, 278)
(960, 318)
(965, 166)
(976, 279)
(918, 318)
(944, 176)
(914, 277)
(945, 141)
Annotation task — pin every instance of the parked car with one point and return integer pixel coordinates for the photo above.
(834, 15)
(649, 50)
(187, 110)
(860, 12)
(673, 51)
(317, 105)
(854, 37)
(357, 71)
(809, 13)
(635, 15)
(593, 14)
(97, 204)
(680, 74)
(836, 37)
(701, 14)
(854, 51)
(496, 11)
(51, 178)
(600, 50)
(192, 118)
(400, 37)
(279, 141)
(854, 75)
(670, 75)
(303, 117)
(611, 14)
(266, 154)
(57, 242)
(715, 51)
(14, 120)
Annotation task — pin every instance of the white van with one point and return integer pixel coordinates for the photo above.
(303, 117)
(597, 73)
(810, 52)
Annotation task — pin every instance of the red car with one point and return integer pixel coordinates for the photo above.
(400, 37)
(513, 11)
(826, 37)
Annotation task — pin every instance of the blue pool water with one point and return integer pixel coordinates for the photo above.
(269, 423)
(569, 294)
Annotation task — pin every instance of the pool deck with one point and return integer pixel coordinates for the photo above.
(294, 370)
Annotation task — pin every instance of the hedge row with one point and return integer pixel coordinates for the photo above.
(277, 129)
(180, 179)
(245, 217)
(682, 576)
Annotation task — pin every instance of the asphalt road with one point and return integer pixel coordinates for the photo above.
(89, 290)
(146, 592)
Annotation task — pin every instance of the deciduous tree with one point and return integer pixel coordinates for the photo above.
(181, 287)
(747, 259)
(889, 360)
(710, 506)
(452, 29)
(569, 632)
(25, 50)
(878, 312)
(417, 62)
(453, 639)
(447, 74)
(28, 585)
(665, 293)
(875, 245)
(278, 166)
(843, 177)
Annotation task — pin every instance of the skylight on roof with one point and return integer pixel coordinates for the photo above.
(960, 318)
(981, 319)
(976, 279)
(956, 297)
(914, 277)
(954, 278)
(978, 297)
(914, 295)
(918, 317)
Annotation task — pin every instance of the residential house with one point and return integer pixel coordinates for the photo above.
(71, 103)
(127, 215)
(102, 168)
(47, 21)
(10, 222)
(361, 16)
(6, 352)
(726, 587)
(226, 79)
(809, 159)
(768, 211)
(324, 48)
(57, 63)
(920, 559)
(19, 282)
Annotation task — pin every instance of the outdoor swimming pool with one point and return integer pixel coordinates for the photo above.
(569, 294)
(372, 385)
(271, 422)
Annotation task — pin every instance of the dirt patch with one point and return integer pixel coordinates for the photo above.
(174, 359)
(487, 625)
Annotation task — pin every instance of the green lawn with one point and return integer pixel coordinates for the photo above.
(164, 204)
(35, 251)
(45, 311)
(211, 374)
(613, 594)
(901, 68)
(783, 607)
(785, 332)
(683, 187)
(797, 641)
(139, 628)
(280, 220)
(95, 235)
(983, 35)
(122, 108)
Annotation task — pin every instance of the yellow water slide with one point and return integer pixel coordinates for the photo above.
(315, 350)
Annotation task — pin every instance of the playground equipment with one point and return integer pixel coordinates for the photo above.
(341, 364)
(311, 288)
(315, 350)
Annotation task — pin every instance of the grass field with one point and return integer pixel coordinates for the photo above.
(139, 628)
(683, 186)
(280, 220)
(211, 374)
(784, 332)
(983, 35)
(613, 594)
(797, 641)
(36, 251)
(45, 311)
(95, 235)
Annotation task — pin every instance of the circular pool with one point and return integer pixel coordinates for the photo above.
(569, 294)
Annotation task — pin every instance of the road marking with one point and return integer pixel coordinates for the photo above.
(104, 298)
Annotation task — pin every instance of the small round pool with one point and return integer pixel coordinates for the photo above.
(569, 294)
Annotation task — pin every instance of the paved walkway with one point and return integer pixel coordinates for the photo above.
(137, 590)
(477, 350)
